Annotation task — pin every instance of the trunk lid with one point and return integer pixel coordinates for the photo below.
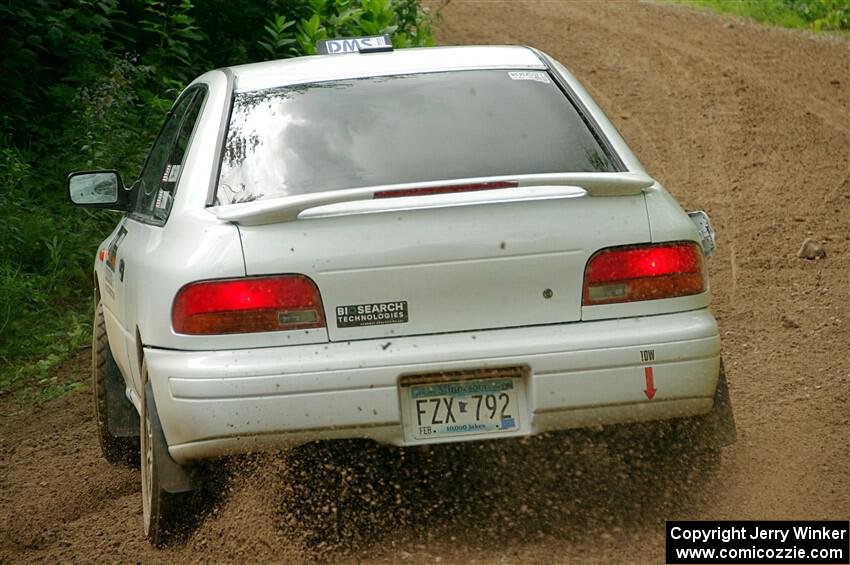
(447, 263)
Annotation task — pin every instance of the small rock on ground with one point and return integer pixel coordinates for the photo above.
(811, 250)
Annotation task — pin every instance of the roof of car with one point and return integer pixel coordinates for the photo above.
(319, 68)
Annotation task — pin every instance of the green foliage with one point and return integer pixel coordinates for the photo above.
(825, 14)
(278, 41)
(173, 28)
(45, 260)
(405, 20)
(819, 15)
(311, 32)
(86, 84)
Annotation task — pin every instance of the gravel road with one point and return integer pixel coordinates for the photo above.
(747, 122)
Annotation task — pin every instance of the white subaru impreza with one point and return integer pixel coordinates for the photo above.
(415, 246)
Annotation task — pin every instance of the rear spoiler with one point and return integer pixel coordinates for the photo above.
(287, 208)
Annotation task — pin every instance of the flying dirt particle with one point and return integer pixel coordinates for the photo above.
(811, 250)
(789, 323)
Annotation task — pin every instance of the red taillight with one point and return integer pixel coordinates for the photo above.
(629, 274)
(267, 304)
(427, 191)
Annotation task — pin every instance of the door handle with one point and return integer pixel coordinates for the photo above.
(121, 270)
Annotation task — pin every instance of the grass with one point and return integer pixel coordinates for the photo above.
(46, 252)
(57, 338)
(817, 15)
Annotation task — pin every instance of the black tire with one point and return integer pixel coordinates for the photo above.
(119, 445)
(169, 506)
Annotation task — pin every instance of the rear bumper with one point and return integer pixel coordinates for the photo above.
(213, 403)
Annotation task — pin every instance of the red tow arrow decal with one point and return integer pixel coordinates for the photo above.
(650, 388)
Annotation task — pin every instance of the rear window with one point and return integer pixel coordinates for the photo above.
(399, 129)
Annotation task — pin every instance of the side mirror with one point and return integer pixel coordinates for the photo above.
(98, 189)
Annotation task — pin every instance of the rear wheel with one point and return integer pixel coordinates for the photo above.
(117, 419)
(168, 489)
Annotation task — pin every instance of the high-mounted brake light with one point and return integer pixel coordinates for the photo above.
(261, 304)
(427, 191)
(628, 274)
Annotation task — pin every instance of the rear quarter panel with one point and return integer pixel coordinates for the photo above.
(667, 220)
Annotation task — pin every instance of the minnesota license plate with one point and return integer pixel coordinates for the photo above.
(453, 408)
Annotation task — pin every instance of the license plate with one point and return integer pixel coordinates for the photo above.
(453, 408)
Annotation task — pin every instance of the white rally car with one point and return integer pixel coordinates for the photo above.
(416, 246)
